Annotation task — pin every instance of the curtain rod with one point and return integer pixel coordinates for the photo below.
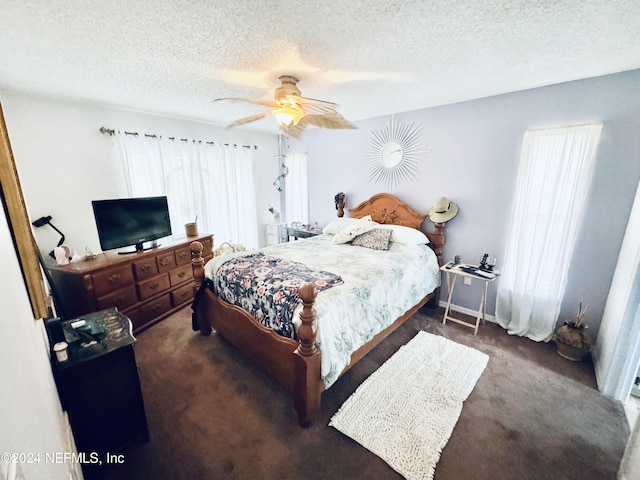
(111, 132)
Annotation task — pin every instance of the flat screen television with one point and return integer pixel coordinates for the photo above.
(129, 222)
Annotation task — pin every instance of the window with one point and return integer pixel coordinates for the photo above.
(553, 179)
(213, 182)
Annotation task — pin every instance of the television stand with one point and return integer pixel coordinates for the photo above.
(139, 247)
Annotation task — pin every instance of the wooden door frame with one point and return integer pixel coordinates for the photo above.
(16, 212)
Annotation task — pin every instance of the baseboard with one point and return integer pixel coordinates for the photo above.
(467, 311)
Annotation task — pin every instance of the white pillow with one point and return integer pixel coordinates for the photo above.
(337, 224)
(358, 227)
(406, 235)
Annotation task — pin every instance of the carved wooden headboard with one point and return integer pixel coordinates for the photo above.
(386, 208)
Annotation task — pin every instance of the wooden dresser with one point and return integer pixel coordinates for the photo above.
(145, 286)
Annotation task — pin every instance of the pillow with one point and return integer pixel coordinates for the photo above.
(376, 239)
(407, 235)
(337, 224)
(358, 227)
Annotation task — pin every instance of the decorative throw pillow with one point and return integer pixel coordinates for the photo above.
(376, 239)
(337, 224)
(356, 228)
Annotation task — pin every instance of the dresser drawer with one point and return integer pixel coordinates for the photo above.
(135, 315)
(183, 256)
(181, 295)
(180, 275)
(111, 280)
(145, 268)
(155, 308)
(166, 261)
(121, 299)
(153, 286)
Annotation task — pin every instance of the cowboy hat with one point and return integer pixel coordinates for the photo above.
(443, 210)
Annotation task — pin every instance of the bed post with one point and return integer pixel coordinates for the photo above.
(339, 200)
(197, 268)
(307, 382)
(437, 238)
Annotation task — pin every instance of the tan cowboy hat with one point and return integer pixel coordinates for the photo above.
(443, 210)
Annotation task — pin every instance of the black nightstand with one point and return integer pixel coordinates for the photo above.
(99, 385)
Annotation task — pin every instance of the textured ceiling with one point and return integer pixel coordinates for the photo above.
(372, 57)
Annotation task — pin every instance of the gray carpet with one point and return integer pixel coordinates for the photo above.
(213, 415)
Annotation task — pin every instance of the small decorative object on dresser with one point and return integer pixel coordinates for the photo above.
(191, 229)
(572, 341)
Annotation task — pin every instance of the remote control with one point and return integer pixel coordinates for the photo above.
(449, 265)
(485, 274)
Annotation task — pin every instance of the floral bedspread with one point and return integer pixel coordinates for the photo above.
(267, 287)
(378, 287)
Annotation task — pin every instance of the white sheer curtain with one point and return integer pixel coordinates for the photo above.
(554, 176)
(296, 189)
(142, 162)
(230, 187)
(212, 182)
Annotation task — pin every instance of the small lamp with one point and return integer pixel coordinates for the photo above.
(47, 221)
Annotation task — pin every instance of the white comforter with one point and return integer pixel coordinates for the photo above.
(379, 286)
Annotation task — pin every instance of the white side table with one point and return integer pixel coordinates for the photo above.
(452, 275)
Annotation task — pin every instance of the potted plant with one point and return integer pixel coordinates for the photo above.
(572, 341)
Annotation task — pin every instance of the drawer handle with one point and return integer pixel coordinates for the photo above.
(145, 268)
(115, 278)
(183, 255)
(156, 307)
(164, 262)
(118, 300)
(184, 294)
(181, 274)
(154, 286)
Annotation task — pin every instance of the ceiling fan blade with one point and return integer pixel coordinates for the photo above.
(296, 130)
(328, 120)
(315, 100)
(250, 119)
(266, 103)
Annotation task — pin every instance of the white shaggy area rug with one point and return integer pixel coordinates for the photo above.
(406, 410)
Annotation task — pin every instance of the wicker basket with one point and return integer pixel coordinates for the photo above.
(572, 342)
(227, 247)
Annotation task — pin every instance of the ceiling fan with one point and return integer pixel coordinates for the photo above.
(293, 112)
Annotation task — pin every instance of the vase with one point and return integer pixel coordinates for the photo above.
(572, 342)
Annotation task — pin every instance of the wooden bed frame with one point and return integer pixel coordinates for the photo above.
(296, 364)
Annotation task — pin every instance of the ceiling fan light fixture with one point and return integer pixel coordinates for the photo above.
(288, 116)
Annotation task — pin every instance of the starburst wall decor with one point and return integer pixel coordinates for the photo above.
(395, 153)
